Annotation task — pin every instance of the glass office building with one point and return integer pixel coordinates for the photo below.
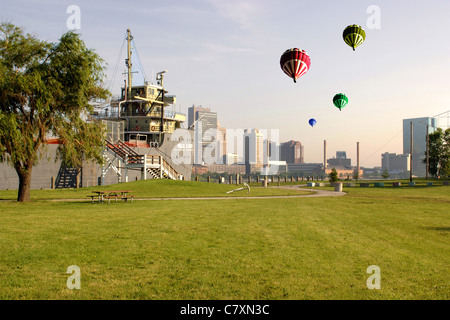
(419, 138)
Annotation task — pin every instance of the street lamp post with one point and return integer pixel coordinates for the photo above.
(428, 152)
(428, 149)
(411, 155)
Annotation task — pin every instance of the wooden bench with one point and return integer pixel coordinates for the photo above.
(101, 195)
(92, 196)
(128, 196)
(364, 185)
(124, 197)
(113, 196)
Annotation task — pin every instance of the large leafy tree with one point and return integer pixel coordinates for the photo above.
(45, 89)
(439, 153)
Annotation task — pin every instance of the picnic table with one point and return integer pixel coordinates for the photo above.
(123, 195)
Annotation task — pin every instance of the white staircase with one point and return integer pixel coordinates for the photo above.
(156, 166)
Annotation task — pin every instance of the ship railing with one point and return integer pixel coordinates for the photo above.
(126, 148)
(165, 167)
(153, 159)
(150, 160)
(104, 115)
(115, 115)
(172, 114)
(135, 159)
(141, 159)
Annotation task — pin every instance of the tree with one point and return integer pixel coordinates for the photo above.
(385, 174)
(438, 153)
(445, 165)
(45, 89)
(355, 174)
(333, 175)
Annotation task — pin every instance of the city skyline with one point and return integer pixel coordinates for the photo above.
(225, 56)
(329, 161)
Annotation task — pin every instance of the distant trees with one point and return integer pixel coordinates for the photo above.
(385, 174)
(439, 153)
(355, 174)
(333, 175)
(45, 89)
(214, 176)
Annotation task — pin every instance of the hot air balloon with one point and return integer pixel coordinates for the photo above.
(340, 100)
(354, 35)
(295, 63)
(312, 122)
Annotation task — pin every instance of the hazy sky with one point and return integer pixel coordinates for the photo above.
(224, 54)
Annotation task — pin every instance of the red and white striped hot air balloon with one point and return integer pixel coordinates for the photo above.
(295, 63)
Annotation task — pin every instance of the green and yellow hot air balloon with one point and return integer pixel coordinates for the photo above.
(340, 100)
(354, 35)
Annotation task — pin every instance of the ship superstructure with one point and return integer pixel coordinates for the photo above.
(147, 109)
(140, 123)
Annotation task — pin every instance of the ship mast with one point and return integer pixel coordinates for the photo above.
(128, 64)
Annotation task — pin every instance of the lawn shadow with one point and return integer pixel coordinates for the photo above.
(445, 229)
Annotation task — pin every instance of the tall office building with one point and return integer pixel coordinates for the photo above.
(292, 152)
(419, 139)
(254, 150)
(341, 155)
(393, 162)
(222, 140)
(204, 123)
(192, 114)
(341, 160)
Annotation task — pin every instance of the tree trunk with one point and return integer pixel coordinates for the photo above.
(24, 187)
(24, 173)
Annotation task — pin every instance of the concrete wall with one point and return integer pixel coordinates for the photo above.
(40, 176)
(47, 168)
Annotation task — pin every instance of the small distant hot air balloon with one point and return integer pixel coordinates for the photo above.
(312, 122)
(295, 63)
(354, 35)
(340, 100)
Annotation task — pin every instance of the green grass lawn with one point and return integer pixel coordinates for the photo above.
(157, 189)
(293, 248)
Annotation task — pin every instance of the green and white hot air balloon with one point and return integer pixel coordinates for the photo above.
(340, 100)
(354, 35)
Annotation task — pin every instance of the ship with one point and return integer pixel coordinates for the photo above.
(140, 123)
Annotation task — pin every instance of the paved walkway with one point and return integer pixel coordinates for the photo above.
(316, 193)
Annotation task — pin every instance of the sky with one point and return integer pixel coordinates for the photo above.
(224, 54)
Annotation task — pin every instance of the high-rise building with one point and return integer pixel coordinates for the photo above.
(341, 155)
(192, 114)
(254, 150)
(232, 158)
(341, 160)
(204, 123)
(419, 139)
(292, 152)
(395, 163)
(222, 140)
